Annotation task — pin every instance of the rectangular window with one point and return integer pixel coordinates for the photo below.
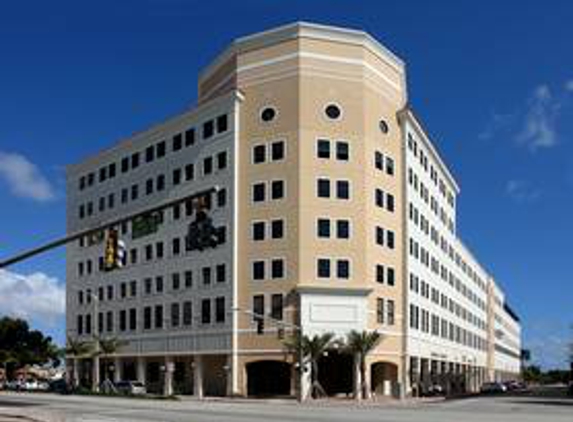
(343, 268)
(259, 154)
(379, 160)
(390, 239)
(206, 272)
(390, 312)
(258, 307)
(133, 319)
(80, 325)
(177, 142)
(189, 172)
(342, 189)
(277, 268)
(207, 166)
(149, 154)
(277, 306)
(258, 270)
(188, 279)
(111, 170)
(176, 177)
(323, 268)
(158, 316)
(125, 164)
(380, 273)
(220, 271)
(323, 188)
(323, 227)
(380, 311)
(159, 250)
(277, 189)
(389, 166)
(175, 281)
(133, 288)
(187, 313)
(159, 284)
(222, 123)
(134, 192)
(176, 246)
(258, 230)
(342, 229)
(206, 311)
(124, 195)
(390, 202)
(380, 236)
(208, 129)
(109, 321)
(258, 192)
(122, 320)
(390, 276)
(342, 151)
(175, 315)
(147, 318)
(277, 150)
(160, 182)
(220, 309)
(161, 149)
(379, 198)
(323, 148)
(222, 160)
(189, 137)
(277, 229)
(221, 197)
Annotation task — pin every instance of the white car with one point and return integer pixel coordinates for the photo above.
(135, 388)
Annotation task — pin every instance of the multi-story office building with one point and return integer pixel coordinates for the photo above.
(333, 211)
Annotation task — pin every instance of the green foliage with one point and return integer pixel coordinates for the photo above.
(109, 346)
(77, 348)
(359, 344)
(20, 346)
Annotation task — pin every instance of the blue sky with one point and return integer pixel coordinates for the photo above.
(493, 82)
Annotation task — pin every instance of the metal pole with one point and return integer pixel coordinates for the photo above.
(70, 238)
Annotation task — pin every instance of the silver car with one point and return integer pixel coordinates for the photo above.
(132, 388)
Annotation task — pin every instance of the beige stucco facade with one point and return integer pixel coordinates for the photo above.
(338, 261)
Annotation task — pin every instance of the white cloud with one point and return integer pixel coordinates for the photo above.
(35, 297)
(24, 178)
(522, 191)
(498, 123)
(539, 125)
(569, 85)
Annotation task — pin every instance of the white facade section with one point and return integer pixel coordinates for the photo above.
(156, 302)
(447, 295)
(334, 311)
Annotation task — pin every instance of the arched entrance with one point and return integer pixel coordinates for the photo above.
(384, 377)
(268, 378)
(335, 373)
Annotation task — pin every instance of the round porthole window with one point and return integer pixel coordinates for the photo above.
(332, 111)
(383, 126)
(268, 114)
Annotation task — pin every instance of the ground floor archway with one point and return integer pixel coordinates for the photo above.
(336, 373)
(384, 378)
(268, 378)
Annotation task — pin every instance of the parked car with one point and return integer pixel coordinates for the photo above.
(435, 390)
(512, 385)
(135, 388)
(493, 388)
(570, 388)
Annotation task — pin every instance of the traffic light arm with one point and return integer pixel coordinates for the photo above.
(70, 238)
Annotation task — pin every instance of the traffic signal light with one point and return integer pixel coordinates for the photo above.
(115, 251)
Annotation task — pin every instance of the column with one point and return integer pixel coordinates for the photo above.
(198, 376)
(95, 374)
(141, 369)
(118, 372)
(168, 374)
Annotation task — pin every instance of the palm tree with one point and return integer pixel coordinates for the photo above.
(77, 349)
(106, 347)
(359, 344)
(310, 350)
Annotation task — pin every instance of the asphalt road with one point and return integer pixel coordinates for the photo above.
(549, 406)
